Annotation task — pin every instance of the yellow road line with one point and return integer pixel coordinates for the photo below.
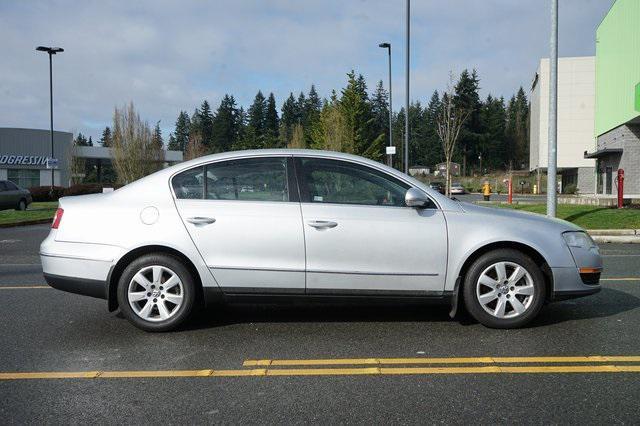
(621, 279)
(494, 369)
(23, 287)
(468, 360)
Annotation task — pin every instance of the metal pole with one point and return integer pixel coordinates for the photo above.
(51, 116)
(553, 113)
(406, 112)
(390, 112)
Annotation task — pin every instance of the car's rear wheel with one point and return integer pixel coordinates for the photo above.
(504, 289)
(156, 292)
(22, 205)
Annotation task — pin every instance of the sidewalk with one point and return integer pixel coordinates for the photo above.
(621, 236)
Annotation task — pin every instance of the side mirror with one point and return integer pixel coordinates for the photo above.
(416, 198)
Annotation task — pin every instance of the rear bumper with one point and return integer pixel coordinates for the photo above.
(83, 286)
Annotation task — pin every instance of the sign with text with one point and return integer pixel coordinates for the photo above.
(22, 160)
(391, 150)
(52, 163)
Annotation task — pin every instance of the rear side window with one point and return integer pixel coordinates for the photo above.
(189, 184)
(252, 179)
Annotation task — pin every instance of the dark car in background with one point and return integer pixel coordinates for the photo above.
(437, 186)
(13, 197)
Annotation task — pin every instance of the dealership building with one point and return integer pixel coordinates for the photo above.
(617, 121)
(598, 110)
(24, 155)
(576, 116)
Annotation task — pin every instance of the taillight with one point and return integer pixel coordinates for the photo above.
(57, 218)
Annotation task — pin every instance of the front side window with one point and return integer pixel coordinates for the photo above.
(251, 179)
(341, 182)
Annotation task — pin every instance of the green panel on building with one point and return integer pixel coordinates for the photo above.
(638, 97)
(618, 66)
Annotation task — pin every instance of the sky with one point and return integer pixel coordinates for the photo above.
(168, 56)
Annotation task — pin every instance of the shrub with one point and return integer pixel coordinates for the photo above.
(42, 193)
(83, 188)
(570, 189)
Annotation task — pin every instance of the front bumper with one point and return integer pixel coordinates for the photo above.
(568, 284)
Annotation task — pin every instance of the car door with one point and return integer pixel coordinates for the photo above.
(361, 238)
(244, 217)
(4, 195)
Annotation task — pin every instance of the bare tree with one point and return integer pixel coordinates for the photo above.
(77, 165)
(195, 148)
(449, 121)
(297, 138)
(135, 154)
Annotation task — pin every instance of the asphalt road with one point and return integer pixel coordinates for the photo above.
(45, 330)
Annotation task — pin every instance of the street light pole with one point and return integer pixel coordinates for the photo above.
(553, 113)
(389, 157)
(51, 51)
(406, 111)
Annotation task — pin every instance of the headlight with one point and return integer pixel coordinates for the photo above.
(579, 239)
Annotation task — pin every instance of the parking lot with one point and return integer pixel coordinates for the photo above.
(66, 359)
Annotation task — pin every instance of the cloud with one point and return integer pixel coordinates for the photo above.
(169, 56)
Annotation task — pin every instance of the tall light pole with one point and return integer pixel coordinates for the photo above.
(51, 51)
(389, 157)
(406, 110)
(553, 113)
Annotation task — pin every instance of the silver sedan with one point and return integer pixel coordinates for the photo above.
(308, 224)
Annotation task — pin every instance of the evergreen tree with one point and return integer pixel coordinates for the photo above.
(81, 140)
(492, 143)
(380, 112)
(90, 142)
(466, 98)
(517, 133)
(181, 133)
(173, 145)
(312, 108)
(433, 146)
(287, 120)
(225, 125)
(156, 137)
(271, 123)
(106, 140)
(356, 109)
(206, 126)
(256, 125)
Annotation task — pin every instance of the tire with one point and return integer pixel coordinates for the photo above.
(22, 205)
(143, 279)
(514, 301)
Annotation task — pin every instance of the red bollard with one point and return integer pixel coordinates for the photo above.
(620, 179)
(510, 197)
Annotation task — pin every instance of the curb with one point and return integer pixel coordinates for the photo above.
(26, 223)
(618, 239)
(612, 232)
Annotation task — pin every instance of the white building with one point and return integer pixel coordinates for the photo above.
(576, 118)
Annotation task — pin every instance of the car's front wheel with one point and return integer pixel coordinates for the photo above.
(156, 292)
(22, 205)
(504, 289)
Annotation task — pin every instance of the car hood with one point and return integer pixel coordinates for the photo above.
(531, 219)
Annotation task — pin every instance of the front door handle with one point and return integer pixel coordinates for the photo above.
(198, 220)
(322, 224)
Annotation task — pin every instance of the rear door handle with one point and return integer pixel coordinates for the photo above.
(198, 220)
(322, 224)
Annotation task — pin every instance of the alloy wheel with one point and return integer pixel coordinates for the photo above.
(505, 290)
(155, 293)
